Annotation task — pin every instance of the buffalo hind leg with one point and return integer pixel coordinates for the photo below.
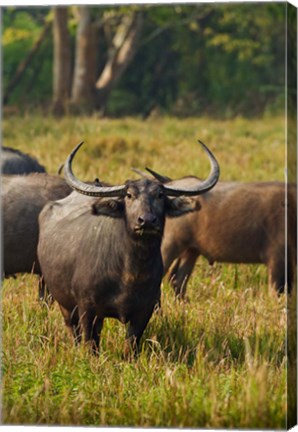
(182, 270)
(134, 333)
(291, 276)
(91, 326)
(277, 274)
(278, 278)
(71, 319)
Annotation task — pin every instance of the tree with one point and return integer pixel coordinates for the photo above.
(88, 89)
(62, 60)
(120, 54)
(83, 94)
(221, 59)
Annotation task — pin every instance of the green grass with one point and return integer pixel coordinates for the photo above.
(217, 360)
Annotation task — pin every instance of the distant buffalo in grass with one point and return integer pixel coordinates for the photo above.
(16, 162)
(236, 223)
(23, 197)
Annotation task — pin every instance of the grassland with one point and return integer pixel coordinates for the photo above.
(217, 360)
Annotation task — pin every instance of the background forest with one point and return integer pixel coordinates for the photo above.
(222, 60)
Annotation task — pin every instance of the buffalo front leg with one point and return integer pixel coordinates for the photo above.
(181, 271)
(134, 333)
(91, 326)
(170, 253)
(71, 319)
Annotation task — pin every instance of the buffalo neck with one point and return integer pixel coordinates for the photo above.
(142, 253)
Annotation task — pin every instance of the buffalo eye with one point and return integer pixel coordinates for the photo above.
(128, 195)
(161, 195)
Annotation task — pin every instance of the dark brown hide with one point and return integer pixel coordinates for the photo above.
(101, 257)
(100, 252)
(23, 197)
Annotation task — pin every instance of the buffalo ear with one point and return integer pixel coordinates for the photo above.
(108, 207)
(181, 205)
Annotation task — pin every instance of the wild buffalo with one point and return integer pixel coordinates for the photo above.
(100, 252)
(23, 197)
(234, 223)
(15, 162)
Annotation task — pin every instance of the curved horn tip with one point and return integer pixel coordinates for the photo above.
(209, 153)
(73, 152)
(207, 150)
(79, 145)
(203, 144)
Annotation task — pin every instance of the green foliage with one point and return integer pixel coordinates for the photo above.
(22, 27)
(215, 361)
(221, 59)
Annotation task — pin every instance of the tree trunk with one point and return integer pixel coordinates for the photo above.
(25, 63)
(62, 60)
(83, 89)
(121, 53)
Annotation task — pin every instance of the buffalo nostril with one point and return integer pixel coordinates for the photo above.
(141, 221)
(147, 220)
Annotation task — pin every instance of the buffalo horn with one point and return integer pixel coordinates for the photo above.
(159, 177)
(172, 188)
(85, 188)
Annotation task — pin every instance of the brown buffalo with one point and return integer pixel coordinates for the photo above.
(235, 223)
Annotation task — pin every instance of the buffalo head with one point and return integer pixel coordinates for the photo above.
(143, 203)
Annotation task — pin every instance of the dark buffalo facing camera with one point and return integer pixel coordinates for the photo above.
(99, 250)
